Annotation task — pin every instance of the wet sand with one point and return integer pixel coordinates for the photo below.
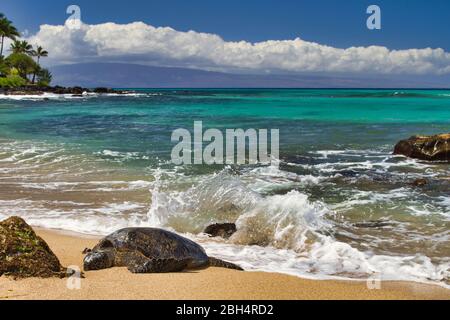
(210, 284)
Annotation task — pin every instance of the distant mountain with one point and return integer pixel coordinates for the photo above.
(120, 75)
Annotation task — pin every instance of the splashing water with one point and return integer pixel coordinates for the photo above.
(339, 205)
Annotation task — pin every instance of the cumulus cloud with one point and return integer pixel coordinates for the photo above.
(145, 44)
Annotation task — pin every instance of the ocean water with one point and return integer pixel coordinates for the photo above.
(339, 205)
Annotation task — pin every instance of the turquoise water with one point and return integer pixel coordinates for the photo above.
(98, 163)
(144, 123)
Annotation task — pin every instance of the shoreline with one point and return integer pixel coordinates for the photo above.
(33, 90)
(209, 284)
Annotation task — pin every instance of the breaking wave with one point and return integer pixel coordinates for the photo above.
(324, 218)
(286, 233)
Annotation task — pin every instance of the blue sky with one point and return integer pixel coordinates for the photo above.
(406, 23)
(252, 36)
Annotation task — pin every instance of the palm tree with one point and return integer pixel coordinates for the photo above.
(3, 67)
(44, 77)
(38, 53)
(7, 30)
(22, 47)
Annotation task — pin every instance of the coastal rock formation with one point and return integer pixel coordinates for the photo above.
(102, 90)
(224, 230)
(23, 254)
(149, 250)
(77, 91)
(430, 148)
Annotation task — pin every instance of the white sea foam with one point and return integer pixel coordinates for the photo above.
(97, 186)
(288, 232)
(332, 260)
(282, 221)
(122, 156)
(285, 233)
(445, 201)
(40, 97)
(78, 217)
(85, 95)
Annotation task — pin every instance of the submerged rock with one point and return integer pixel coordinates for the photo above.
(224, 230)
(373, 224)
(430, 148)
(23, 254)
(420, 182)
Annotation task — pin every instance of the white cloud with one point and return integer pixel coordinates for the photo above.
(145, 44)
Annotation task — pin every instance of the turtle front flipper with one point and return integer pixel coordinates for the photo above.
(133, 260)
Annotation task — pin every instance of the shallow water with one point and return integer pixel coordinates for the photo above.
(339, 205)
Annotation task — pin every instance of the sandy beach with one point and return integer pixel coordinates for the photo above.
(210, 284)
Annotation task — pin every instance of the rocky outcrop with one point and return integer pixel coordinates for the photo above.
(430, 148)
(224, 230)
(105, 90)
(77, 91)
(23, 254)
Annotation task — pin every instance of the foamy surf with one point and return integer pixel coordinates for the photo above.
(280, 227)
(283, 233)
(54, 96)
(339, 205)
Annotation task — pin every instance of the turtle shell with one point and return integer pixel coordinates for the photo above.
(155, 244)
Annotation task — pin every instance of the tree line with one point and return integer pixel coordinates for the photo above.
(21, 66)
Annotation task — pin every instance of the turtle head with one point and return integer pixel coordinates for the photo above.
(98, 260)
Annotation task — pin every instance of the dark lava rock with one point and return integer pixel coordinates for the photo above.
(23, 254)
(420, 182)
(224, 230)
(430, 148)
(102, 90)
(59, 90)
(373, 224)
(77, 91)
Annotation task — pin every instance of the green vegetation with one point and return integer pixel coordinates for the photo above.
(7, 30)
(21, 47)
(44, 78)
(20, 68)
(21, 62)
(45, 75)
(3, 68)
(12, 81)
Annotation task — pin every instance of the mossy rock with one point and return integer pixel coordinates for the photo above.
(23, 254)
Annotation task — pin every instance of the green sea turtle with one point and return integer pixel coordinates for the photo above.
(150, 250)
